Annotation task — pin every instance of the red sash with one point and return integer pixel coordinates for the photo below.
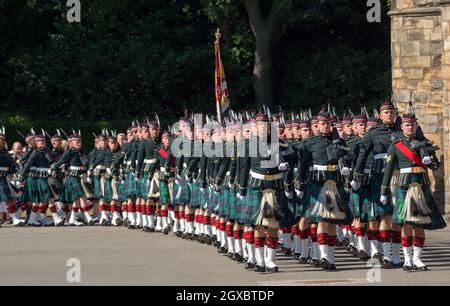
(410, 154)
(164, 154)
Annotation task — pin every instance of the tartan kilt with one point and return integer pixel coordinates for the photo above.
(164, 195)
(122, 196)
(378, 209)
(214, 200)
(254, 205)
(144, 187)
(289, 210)
(41, 189)
(57, 184)
(107, 190)
(96, 187)
(241, 205)
(204, 199)
(232, 204)
(437, 221)
(223, 202)
(361, 204)
(130, 185)
(313, 195)
(181, 193)
(5, 190)
(72, 190)
(27, 192)
(251, 208)
(195, 195)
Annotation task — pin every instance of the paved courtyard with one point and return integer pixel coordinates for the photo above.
(118, 256)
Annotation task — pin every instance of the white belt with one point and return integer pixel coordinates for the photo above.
(412, 170)
(228, 173)
(41, 169)
(326, 167)
(380, 156)
(74, 168)
(295, 169)
(150, 161)
(4, 169)
(184, 165)
(268, 177)
(367, 171)
(99, 167)
(128, 162)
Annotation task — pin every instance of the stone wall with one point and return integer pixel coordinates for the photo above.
(420, 46)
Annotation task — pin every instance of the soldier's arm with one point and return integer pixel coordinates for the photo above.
(28, 163)
(303, 164)
(224, 167)
(364, 150)
(140, 156)
(63, 160)
(391, 163)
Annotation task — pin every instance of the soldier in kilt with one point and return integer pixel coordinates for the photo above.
(263, 211)
(119, 203)
(167, 175)
(147, 164)
(111, 183)
(73, 195)
(189, 212)
(41, 194)
(125, 166)
(7, 167)
(415, 209)
(24, 197)
(376, 141)
(94, 180)
(131, 182)
(325, 190)
(100, 169)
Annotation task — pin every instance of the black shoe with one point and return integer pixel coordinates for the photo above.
(345, 242)
(179, 234)
(331, 267)
(20, 224)
(378, 256)
(230, 255)
(184, 236)
(363, 255)
(296, 256)
(118, 222)
(131, 227)
(272, 270)
(214, 239)
(287, 252)
(324, 263)
(200, 238)
(166, 231)
(259, 269)
(420, 269)
(408, 268)
(303, 261)
(61, 223)
(249, 266)
(387, 264)
(217, 244)
(354, 251)
(237, 257)
(126, 222)
(315, 262)
(151, 229)
(222, 250)
(207, 239)
(194, 237)
(399, 264)
(146, 229)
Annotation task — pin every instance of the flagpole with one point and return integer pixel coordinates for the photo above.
(217, 74)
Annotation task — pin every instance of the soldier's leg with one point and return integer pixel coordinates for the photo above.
(207, 221)
(73, 216)
(332, 240)
(165, 224)
(315, 251)
(57, 221)
(322, 240)
(385, 239)
(115, 209)
(131, 214)
(260, 239)
(238, 242)
(85, 207)
(158, 222)
(11, 208)
(125, 213)
(407, 244)
(419, 243)
(230, 238)
(373, 235)
(104, 220)
(304, 234)
(250, 243)
(297, 244)
(396, 240)
(189, 217)
(139, 207)
(271, 243)
(360, 231)
(151, 214)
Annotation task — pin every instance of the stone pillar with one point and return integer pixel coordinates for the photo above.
(420, 47)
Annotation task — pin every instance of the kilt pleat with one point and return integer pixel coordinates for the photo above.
(5, 190)
(73, 190)
(181, 193)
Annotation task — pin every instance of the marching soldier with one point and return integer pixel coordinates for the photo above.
(415, 209)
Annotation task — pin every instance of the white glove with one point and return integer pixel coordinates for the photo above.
(230, 185)
(202, 189)
(178, 181)
(427, 160)
(345, 171)
(240, 197)
(283, 166)
(355, 184)
(383, 199)
(299, 193)
(49, 171)
(289, 194)
(88, 179)
(108, 171)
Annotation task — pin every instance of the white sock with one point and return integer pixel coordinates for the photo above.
(408, 253)
(323, 251)
(270, 258)
(230, 244)
(259, 256)
(396, 253)
(305, 248)
(298, 247)
(387, 250)
(315, 252)
(374, 247)
(417, 259)
(251, 253)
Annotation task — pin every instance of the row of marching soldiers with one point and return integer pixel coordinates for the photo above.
(361, 182)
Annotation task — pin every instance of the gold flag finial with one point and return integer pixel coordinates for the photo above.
(218, 35)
